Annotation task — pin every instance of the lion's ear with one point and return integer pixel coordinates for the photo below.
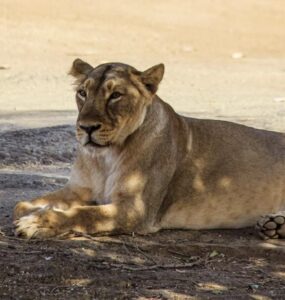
(80, 68)
(152, 77)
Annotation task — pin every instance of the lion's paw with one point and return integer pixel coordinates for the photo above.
(44, 223)
(272, 226)
(25, 208)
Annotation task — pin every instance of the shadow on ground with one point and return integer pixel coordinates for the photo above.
(229, 264)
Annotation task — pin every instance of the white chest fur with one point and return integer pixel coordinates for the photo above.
(97, 170)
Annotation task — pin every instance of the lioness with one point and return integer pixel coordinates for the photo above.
(148, 168)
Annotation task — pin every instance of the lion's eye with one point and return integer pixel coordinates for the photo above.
(82, 94)
(115, 96)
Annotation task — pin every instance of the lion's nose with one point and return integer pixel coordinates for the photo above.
(90, 129)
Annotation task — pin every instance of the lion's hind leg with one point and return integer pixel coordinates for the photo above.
(272, 226)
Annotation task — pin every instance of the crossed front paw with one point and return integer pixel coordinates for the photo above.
(44, 223)
(25, 208)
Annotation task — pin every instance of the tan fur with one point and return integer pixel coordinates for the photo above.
(151, 168)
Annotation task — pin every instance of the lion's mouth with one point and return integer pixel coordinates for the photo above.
(94, 144)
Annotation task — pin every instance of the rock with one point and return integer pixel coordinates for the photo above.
(237, 55)
(213, 254)
(254, 286)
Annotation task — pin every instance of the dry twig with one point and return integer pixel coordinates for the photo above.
(154, 267)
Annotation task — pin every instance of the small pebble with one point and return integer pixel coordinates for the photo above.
(237, 55)
(213, 253)
(254, 286)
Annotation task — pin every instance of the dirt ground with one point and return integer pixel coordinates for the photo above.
(229, 264)
(224, 60)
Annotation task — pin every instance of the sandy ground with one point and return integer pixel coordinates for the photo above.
(224, 60)
(195, 40)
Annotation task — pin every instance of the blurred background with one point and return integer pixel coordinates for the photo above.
(224, 59)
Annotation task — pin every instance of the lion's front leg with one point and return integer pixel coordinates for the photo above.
(42, 223)
(62, 199)
(50, 222)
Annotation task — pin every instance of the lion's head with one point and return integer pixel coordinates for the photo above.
(112, 100)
